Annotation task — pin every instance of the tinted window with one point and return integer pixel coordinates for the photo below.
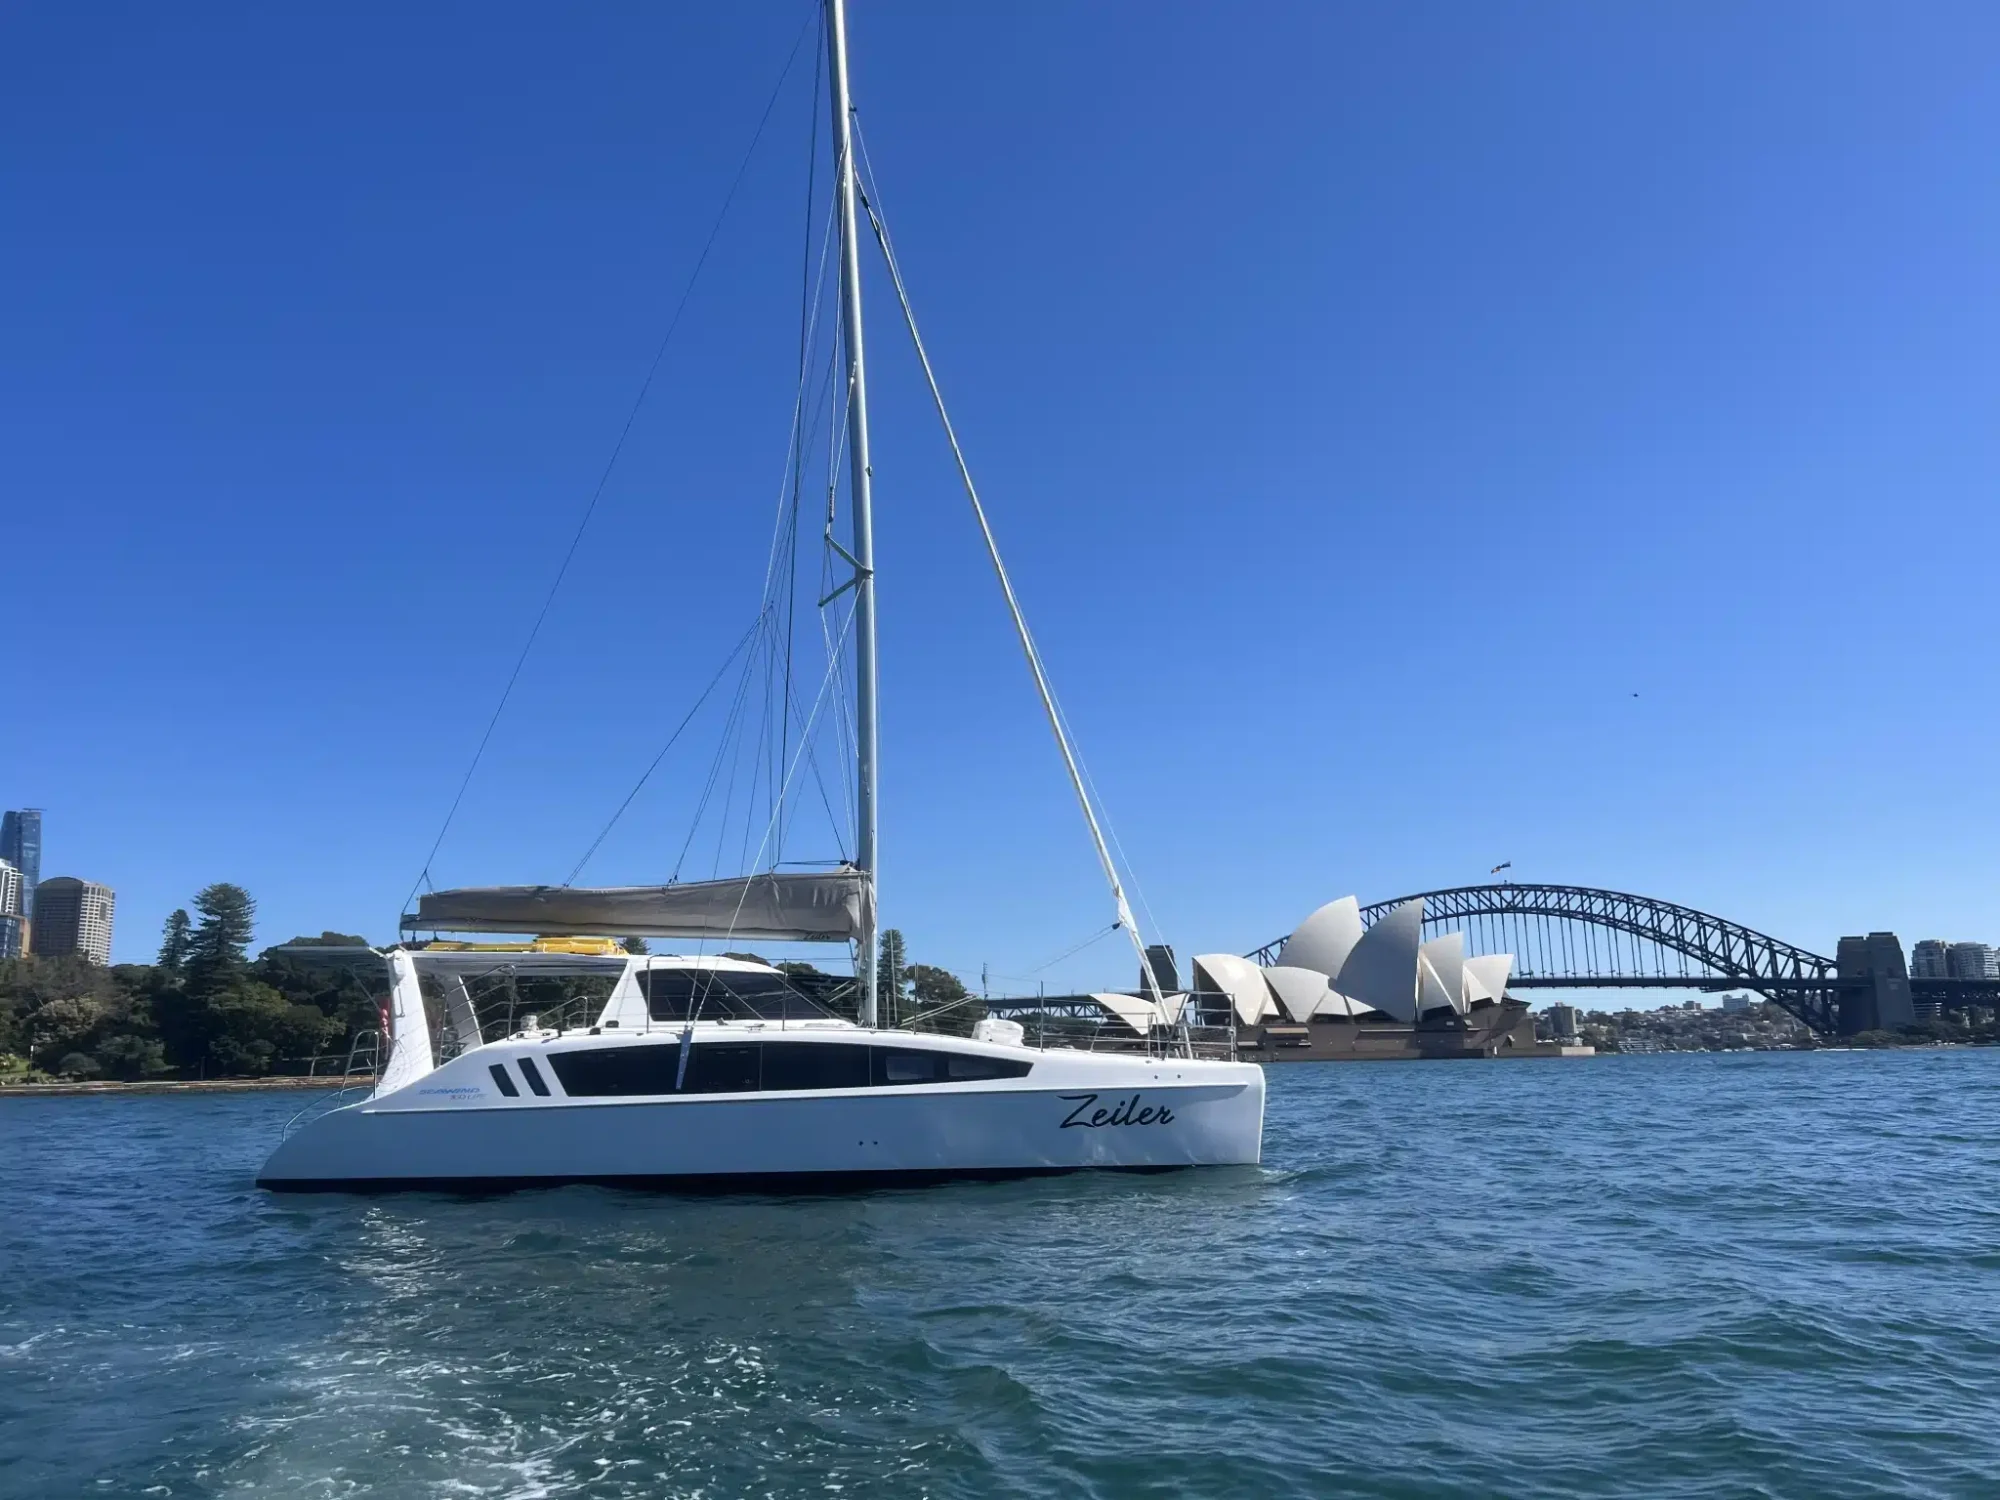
(646, 1069)
(534, 1076)
(896, 1066)
(721, 1069)
(966, 1066)
(814, 1065)
(712, 1068)
(776, 1066)
(503, 1082)
(722, 995)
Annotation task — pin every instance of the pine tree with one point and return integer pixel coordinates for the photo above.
(891, 970)
(217, 950)
(174, 943)
(943, 1002)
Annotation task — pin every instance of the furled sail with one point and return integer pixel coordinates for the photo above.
(832, 906)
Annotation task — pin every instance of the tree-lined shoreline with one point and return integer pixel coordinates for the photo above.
(203, 1009)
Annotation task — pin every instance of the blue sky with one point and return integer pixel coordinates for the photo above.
(1424, 436)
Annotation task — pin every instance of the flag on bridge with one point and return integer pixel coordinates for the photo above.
(1504, 865)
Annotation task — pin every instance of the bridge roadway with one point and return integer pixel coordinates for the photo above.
(1579, 937)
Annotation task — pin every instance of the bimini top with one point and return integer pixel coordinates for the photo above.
(829, 906)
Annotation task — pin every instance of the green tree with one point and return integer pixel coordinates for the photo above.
(249, 1024)
(302, 1031)
(174, 943)
(218, 951)
(891, 970)
(347, 990)
(131, 1057)
(327, 939)
(29, 983)
(637, 945)
(63, 1026)
(943, 1002)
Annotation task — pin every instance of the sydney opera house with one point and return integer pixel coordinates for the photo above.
(1344, 990)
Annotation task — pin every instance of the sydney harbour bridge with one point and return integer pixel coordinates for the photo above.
(1577, 937)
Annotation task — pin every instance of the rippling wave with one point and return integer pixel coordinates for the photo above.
(1688, 1276)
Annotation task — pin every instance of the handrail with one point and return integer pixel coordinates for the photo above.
(364, 1043)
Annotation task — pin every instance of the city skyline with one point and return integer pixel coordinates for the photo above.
(61, 915)
(12, 915)
(72, 917)
(21, 848)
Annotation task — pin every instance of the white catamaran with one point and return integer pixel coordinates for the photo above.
(717, 1071)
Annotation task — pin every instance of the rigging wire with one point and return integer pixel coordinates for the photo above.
(1095, 938)
(809, 407)
(870, 200)
(808, 311)
(729, 732)
(1110, 827)
(611, 463)
(647, 775)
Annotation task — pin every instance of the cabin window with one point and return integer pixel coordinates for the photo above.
(790, 1066)
(721, 1069)
(502, 1082)
(605, 1071)
(534, 1076)
(903, 1066)
(723, 995)
(770, 1066)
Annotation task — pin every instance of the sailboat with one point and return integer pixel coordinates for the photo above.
(715, 1071)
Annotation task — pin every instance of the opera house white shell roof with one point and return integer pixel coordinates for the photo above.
(1333, 965)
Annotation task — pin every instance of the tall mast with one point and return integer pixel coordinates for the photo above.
(865, 855)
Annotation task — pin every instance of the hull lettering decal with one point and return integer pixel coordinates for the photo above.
(1090, 1115)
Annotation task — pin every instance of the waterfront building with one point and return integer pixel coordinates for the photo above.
(1971, 961)
(1928, 959)
(1345, 990)
(73, 916)
(1563, 1022)
(12, 920)
(21, 847)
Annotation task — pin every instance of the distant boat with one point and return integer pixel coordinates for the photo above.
(710, 1071)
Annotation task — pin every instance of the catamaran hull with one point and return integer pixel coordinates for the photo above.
(755, 1142)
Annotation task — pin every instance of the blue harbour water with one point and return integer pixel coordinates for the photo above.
(1758, 1275)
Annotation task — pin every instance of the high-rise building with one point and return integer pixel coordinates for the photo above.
(73, 916)
(11, 923)
(1928, 959)
(21, 847)
(1971, 961)
(1736, 1004)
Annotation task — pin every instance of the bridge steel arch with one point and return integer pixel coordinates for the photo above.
(1570, 935)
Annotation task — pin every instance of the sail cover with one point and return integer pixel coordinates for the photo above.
(833, 906)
